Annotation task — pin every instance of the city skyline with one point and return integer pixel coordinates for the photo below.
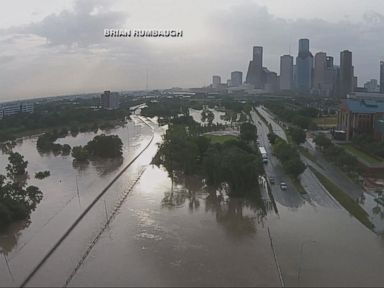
(60, 49)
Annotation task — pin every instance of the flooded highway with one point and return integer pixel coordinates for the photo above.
(148, 231)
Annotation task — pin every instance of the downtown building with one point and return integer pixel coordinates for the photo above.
(325, 76)
(255, 69)
(319, 74)
(216, 81)
(382, 77)
(109, 100)
(304, 67)
(286, 72)
(346, 73)
(236, 79)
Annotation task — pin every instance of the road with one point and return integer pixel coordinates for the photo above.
(334, 173)
(316, 193)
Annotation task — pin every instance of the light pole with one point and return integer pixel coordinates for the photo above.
(301, 257)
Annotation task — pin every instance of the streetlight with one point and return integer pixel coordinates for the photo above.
(301, 256)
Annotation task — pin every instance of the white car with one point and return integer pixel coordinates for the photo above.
(283, 186)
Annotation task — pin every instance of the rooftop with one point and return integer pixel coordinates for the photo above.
(363, 106)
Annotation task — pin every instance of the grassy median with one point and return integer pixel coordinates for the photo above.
(351, 206)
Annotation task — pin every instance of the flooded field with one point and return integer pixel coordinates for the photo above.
(196, 114)
(148, 231)
(26, 242)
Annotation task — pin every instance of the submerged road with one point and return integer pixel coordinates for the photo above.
(74, 225)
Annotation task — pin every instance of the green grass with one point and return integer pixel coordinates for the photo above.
(349, 204)
(360, 154)
(220, 138)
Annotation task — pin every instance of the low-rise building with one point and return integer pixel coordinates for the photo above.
(9, 109)
(357, 116)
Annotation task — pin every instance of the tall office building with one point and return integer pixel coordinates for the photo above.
(236, 78)
(346, 73)
(109, 100)
(330, 77)
(382, 77)
(216, 81)
(255, 68)
(286, 72)
(304, 66)
(270, 80)
(319, 73)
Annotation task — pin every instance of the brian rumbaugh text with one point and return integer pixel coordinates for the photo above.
(171, 33)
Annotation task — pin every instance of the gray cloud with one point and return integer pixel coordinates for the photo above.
(67, 52)
(81, 27)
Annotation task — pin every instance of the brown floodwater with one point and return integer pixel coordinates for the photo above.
(25, 242)
(184, 234)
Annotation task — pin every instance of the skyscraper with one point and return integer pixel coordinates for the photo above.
(381, 76)
(236, 78)
(304, 66)
(216, 81)
(346, 73)
(255, 68)
(286, 72)
(319, 75)
(330, 77)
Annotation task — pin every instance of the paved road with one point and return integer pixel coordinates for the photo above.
(316, 193)
(290, 198)
(334, 173)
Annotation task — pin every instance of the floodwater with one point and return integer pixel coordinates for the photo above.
(196, 115)
(26, 242)
(148, 231)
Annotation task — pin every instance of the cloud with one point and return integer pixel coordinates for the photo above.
(67, 53)
(81, 27)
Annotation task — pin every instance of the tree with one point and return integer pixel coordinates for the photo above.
(322, 141)
(17, 166)
(248, 132)
(294, 167)
(105, 146)
(298, 135)
(16, 201)
(80, 153)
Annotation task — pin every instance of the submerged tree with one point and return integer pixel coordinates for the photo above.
(17, 200)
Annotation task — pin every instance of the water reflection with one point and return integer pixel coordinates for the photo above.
(8, 240)
(107, 166)
(184, 188)
(80, 165)
(239, 216)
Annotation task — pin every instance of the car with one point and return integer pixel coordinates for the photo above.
(283, 186)
(271, 179)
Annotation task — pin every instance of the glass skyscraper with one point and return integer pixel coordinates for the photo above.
(304, 66)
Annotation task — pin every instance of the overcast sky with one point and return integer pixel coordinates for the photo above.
(57, 47)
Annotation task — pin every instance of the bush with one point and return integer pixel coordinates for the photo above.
(42, 174)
